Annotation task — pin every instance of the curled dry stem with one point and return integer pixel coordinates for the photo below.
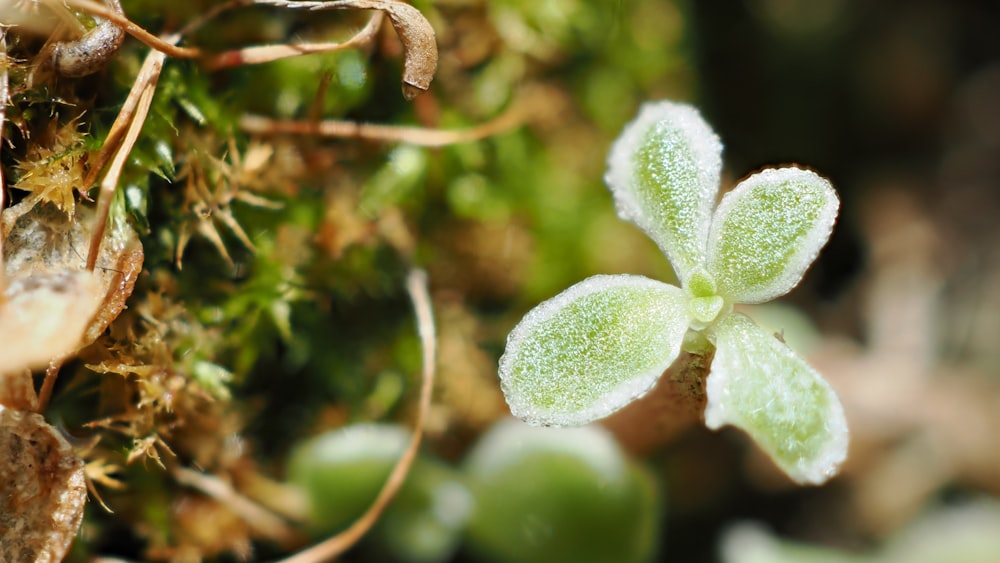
(416, 286)
(92, 50)
(268, 53)
(420, 54)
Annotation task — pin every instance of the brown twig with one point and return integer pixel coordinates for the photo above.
(416, 286)
(420, 54)
(422, 136)
(268, 53)
(166, 46)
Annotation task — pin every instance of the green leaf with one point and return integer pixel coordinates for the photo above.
(592, 349)
(341, 473)
(760, 385)
(664, 174)
(767, 232)
(546, 495)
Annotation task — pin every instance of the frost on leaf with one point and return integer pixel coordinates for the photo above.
(760, 386)
(592, 349)
(767, 232)
(664, 174)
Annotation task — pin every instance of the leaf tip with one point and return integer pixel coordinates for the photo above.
(663, 172)
(764, 388)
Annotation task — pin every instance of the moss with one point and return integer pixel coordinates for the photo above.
(271, 303)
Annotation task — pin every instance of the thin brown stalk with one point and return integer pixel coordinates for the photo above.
(416, 286)
(51, 375)
(268, 53)
(420, 53)
(421, 136)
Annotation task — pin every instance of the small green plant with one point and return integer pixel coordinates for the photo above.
(602, 343)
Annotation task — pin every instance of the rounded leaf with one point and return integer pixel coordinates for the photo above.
(761, 386)
(342, 472)
(663, 171)
(767, 231)
(592, 349)
(559, 494)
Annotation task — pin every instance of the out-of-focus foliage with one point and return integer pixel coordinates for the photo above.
(966, 533)
(559, 494)
(341, 473)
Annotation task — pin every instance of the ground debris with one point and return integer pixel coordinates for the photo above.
(42, 489)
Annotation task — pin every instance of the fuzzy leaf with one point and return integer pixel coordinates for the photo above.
(761, 386)
(767, 232)
(664, 174)
(592, 349)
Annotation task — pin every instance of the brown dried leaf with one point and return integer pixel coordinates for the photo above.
(42, 489)
(44, 317)
(53, 306)
(17, 391)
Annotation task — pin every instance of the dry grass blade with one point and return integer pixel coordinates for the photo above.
(260, 125)
(416, 286)
(415, 32)
(148, 73)
(139, 99)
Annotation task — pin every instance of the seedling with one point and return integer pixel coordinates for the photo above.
(605, 341)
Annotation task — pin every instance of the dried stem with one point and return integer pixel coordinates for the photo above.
(416, 286)
(51, 375)
(420, 52)
(676, 402)
(422, 136)
(134, 114)
(166, 46)
(268, 53)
